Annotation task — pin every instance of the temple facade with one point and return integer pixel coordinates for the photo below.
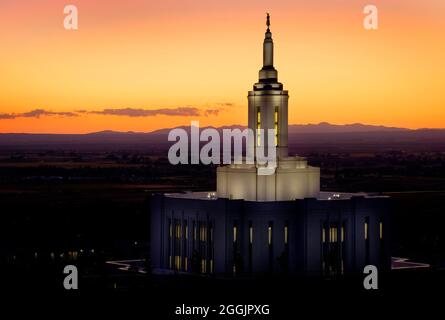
(269, 223)
(293, 178)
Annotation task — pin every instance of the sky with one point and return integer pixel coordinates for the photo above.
(142, 65)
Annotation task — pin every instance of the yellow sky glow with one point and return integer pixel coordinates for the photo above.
(201, 54)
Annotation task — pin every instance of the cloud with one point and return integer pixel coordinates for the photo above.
(212, 112)
(127, 112)
(132, 112)
(36, 113)
(7, 116)
(225, 104)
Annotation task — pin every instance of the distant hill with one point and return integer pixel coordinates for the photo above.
(322, 136)
(325, 127)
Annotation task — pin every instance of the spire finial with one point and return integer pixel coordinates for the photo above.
(268, 21)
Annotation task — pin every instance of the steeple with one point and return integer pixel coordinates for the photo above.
(268, 75)
(268, 46)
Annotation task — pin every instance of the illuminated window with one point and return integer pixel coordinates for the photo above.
(270, 239)
(276, 126)
(285, 234)
(258, 126)
(366, 230)
(170, 228)
(177, 262)
(185, 244)
(323, 235)
(203, 266)
(342, 234)
(250, 247)
(202, 232)
(333, 234)
(366, 236)
(169, 244)
(235, 231)
(381, 229)
(178, 231)
(211, 266)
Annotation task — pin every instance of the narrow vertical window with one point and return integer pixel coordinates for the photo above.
(211, 249)
(343, 247)
(323, 234)
(286, 234)
(270, 239)
(185, 244)
(366, 229)
(381, 230)
(258, 126)
(325, 248)
(366, 226)
(276, 126)
(177, 244)
(382, 250)
(285, 256)
(202, 232)
(193, 242)
(250, 246)
(235, 232)
(236, 254)
(170, 228)
(170, 235)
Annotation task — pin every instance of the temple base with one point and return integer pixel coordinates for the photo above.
(293, 179)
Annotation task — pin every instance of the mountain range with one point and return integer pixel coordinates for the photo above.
(317, 135)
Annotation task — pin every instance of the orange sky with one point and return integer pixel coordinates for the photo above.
(205, 55)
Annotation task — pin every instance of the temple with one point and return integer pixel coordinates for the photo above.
(268, 109)
(269, 223)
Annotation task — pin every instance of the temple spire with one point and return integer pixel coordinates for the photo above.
(268, 46)
(268, 73)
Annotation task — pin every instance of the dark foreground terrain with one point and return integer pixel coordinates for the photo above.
(87, 208)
